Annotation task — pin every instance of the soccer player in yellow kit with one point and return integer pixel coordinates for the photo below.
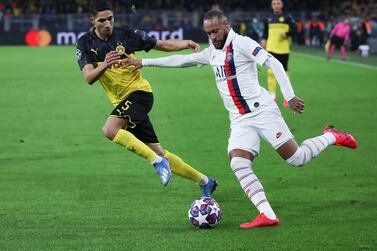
(276, 39)
(100, 54)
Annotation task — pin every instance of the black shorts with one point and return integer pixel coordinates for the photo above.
(283, 59)
(135, 109)
(337, 41)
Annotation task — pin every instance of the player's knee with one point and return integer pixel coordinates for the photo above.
(298, 159)
(109, 132)
(239, 162)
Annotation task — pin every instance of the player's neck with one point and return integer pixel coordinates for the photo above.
(100, 36)
(278, 13)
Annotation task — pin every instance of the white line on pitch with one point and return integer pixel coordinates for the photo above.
(338, 61)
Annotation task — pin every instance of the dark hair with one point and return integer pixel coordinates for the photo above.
(99, 5)
(215, 13)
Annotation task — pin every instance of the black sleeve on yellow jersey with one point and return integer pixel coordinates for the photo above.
(83, 54)
(265, 29)
(139, 41)
(292, 25)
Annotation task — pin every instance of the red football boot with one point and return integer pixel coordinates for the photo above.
(260, 221)
(342, 138)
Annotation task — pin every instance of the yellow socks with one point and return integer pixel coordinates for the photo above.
(179, 167)
(129, 141)
(271, 81)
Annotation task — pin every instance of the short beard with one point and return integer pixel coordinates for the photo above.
(225, 38)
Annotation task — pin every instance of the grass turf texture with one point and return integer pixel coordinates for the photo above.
(63, 186)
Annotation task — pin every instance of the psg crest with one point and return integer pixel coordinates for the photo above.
(229, 57)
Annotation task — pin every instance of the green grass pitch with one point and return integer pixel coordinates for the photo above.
(63, 186)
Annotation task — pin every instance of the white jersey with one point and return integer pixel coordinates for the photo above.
(235, 68)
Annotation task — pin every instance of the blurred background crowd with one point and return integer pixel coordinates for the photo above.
(314, 19)
(329, 7)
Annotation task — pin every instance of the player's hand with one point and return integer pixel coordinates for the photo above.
(133, 61)
(263, 42)
(297, 104)
(193, 46)
(283, 36)
(111, 58)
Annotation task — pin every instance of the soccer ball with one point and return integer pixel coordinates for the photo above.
(204, 212)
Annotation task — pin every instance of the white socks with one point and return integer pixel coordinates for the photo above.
(204, 181)
(157, 159)
(310, 149)
(251, 185)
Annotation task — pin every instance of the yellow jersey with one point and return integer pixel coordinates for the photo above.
(117, 82)
(273, 27)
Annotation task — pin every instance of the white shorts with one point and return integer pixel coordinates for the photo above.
(246, 132)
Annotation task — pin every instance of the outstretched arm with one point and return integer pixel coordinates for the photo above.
(174, 61)
(176, 45)
(295, 103)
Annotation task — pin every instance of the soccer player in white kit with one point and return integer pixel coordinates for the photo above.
(252, 110)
